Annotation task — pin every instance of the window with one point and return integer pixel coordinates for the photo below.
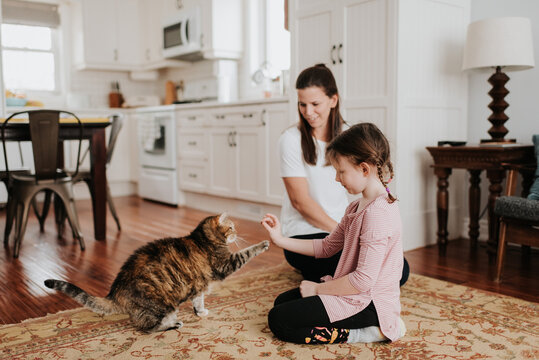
(29, 61)
(30, 46)
(277, 37)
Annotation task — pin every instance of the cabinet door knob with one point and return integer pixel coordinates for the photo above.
(331, 54)
(339, 54)
(192, 143)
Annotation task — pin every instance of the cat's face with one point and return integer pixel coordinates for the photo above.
(226, 228)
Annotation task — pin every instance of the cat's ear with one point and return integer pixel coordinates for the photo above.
(223, 217)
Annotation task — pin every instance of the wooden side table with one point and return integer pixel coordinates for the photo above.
(475, 159)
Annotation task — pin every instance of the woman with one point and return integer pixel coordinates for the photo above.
(314, 202)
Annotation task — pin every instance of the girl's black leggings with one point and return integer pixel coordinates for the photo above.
(313, 269)
(305, 321)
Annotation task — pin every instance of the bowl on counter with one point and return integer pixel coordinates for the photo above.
(15, 101)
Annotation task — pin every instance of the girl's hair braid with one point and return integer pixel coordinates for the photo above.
(386, 183)
(364, 143)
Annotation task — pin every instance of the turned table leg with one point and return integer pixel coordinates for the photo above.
(474, 201)
(495, 177)
(442, 204)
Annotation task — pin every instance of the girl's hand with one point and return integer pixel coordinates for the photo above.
(271, 223)
(308, 288)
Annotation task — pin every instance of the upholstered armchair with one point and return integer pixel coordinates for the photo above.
(519, 216)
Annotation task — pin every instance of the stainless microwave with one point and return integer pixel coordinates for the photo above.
(182, 38)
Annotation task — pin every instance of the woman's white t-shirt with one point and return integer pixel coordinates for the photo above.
(323, 187)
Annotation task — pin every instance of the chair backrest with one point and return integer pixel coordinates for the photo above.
(115, 127)
(117, 121)
(44, 134)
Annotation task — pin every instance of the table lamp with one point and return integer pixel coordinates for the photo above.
(503, 44)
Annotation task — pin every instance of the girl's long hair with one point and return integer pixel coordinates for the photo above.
(364, 143)
(321, 77)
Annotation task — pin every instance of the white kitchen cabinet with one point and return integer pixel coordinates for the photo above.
(231, 151)
(236, 161)
(356, 39)
(193, 175)
(192, 141)
(314, 39)
(397, 64)
(152, 16)
(236, 158)
(222, 30)
(105, 34)
(152, 12)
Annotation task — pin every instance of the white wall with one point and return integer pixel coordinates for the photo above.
(431, 106)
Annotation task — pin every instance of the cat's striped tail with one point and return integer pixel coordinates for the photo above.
(97, 304)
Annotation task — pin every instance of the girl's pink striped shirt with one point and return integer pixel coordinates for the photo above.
(372, 258)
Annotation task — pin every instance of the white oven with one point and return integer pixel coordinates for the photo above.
(157, 156)
(182, 38)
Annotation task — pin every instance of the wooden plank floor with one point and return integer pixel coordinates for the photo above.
(44, 255)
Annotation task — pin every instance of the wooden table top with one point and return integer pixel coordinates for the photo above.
(98, 120)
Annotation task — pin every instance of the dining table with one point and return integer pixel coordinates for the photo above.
(93, 130)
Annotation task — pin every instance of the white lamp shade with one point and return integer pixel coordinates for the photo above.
(505, 42)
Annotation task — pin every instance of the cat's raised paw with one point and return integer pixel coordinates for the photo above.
(265, 244)
(202, 313)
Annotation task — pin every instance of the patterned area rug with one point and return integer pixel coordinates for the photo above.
(444, 321)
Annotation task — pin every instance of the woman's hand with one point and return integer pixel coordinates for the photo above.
(308, 288)
(271, 223)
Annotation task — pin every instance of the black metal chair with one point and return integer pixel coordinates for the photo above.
(44, 134)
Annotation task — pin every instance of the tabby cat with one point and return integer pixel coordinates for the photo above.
(161, 275)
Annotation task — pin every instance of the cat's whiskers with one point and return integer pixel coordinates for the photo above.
(240, 240)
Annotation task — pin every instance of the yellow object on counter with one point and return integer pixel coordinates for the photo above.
(34, 103)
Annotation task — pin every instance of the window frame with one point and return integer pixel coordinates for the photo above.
(55, 50)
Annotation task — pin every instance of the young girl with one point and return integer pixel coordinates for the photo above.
(360, 301)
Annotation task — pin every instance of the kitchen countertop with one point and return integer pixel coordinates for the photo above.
(206, 104)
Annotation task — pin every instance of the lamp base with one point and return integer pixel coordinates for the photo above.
(498, 92)
(498, 141)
